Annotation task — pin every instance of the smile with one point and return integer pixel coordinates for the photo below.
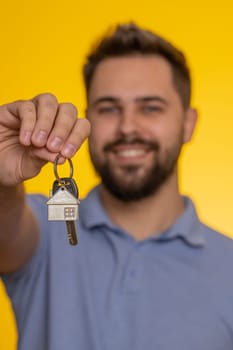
(131, 153)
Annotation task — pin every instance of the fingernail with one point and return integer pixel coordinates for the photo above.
(41, 137)
(68, 151)
(56, 143)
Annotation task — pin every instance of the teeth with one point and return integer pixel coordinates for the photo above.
(131, 153)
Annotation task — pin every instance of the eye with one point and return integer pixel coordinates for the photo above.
(108, 109)
(151, 109)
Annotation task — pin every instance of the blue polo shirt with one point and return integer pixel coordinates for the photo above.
(173, 291)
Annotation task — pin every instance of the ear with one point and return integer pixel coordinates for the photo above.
(191, 116)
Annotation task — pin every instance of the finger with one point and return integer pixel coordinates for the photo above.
(64, 123)
(47, 107)
(43, 154)
(26, 112)
(38, 158)
(80, 132)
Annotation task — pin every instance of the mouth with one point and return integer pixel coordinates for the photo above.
(131, 153)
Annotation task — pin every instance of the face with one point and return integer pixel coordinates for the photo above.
(138, 125)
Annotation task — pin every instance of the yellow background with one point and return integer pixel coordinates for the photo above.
(43, 45)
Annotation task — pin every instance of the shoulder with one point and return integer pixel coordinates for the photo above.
(214, 236)
(218, 248)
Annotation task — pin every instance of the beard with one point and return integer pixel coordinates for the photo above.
(129, 186)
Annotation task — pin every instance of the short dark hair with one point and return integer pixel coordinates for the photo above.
(129, 40)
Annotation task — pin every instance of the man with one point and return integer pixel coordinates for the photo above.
(147, 273)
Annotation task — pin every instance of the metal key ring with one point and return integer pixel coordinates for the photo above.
(55, 167)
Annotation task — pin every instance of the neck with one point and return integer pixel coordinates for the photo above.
(148, 216)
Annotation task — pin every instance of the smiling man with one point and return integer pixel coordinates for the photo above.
(147, 273)
(140, 117)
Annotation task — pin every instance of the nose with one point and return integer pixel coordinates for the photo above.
(128, 122)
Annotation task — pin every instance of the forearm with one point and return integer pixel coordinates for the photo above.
(19, 230)
(12, 207)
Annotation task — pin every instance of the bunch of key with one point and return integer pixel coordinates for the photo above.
(63, 202)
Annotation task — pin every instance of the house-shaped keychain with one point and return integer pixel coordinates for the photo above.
(63, 206)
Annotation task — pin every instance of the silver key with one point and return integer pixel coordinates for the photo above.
(72, 233)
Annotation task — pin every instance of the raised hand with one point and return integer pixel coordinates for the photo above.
(33, 132)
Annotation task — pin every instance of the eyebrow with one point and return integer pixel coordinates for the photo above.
(153, 98)
(105, 99)
(113, 99)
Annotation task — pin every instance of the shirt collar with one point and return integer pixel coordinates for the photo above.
(187, 226)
